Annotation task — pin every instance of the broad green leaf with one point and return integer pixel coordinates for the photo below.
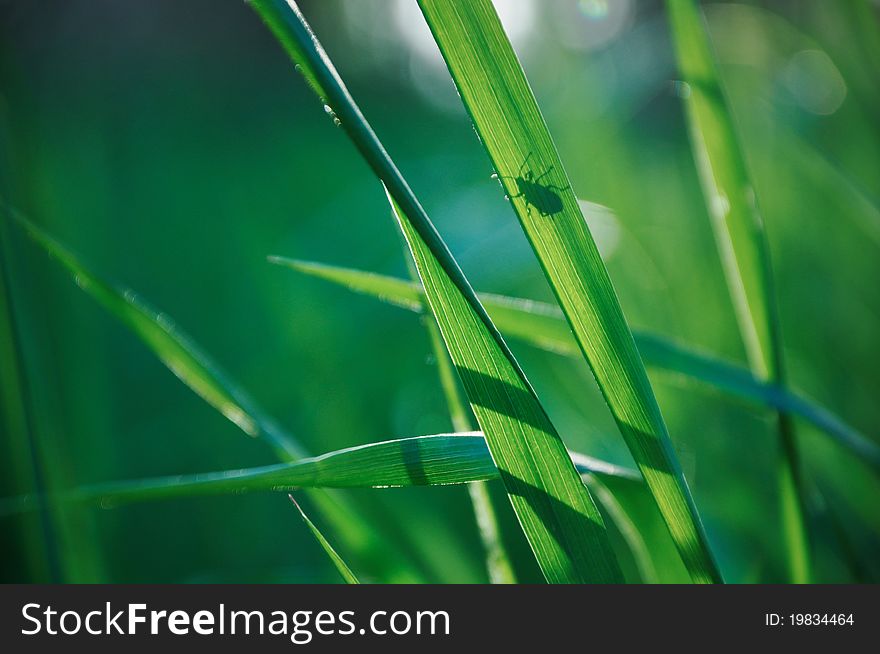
(556, 513)
(742, 245)
(495, 92)
(340, 565)
(543, 325)
(195, 369)
(435, 460)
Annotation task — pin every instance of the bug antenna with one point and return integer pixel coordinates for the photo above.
(525, 161)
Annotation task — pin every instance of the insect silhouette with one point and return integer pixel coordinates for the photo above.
(544, 198)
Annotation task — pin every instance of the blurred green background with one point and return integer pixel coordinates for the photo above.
(173, 147)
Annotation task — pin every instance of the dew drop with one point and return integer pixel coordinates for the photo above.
(681, 89)
(720, 205)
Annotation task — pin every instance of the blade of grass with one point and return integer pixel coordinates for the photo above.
(626, 527)
(340, 565)
(556, 513)
(71, 538)
(864, 208)
(174, 348)
(436, 460)
(847, 549)
(543, 325)
(555, 510)
(505, 113)
(742, 244)
(196, 369)
(497, 563)
(39, 543)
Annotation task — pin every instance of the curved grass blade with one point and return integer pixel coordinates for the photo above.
(742, 244)
(195, 369)
(824, 170)
(557, 514)
(39, 542)
(174, 348)
(340, 565)
(70, 538)
(630, 534)
(543, 325)
(495, 92)
(436, 460)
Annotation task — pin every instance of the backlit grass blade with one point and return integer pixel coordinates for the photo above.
(195, 369)
(543, 325)
(495, 92)
(742, 244)
(340, 565)
(436, 460)
(498, 564)
(556, 513)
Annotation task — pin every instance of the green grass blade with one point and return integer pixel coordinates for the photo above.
(39, 542)
(630, 534)
(557, 514)
(817, 164)
(495, 92)
(498, 564)
(742, 244)
(196, 369)
(174, 348)
(436, 460)
(70, 537)
(543, 325)
(340, 565)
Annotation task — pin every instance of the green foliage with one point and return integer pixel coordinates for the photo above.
(180, 172)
